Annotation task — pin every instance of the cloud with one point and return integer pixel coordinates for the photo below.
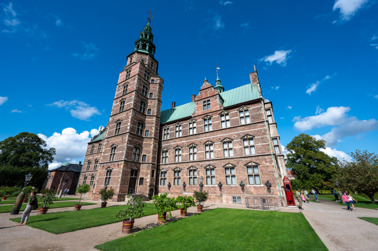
(58, 22)
(90, 52)
(16, 111)
(315, 85)
(224, 3)
(343, 126)
(275, 87)
(218, 24)
(348, 8)
(70, 145)
(376, 97)
(280, 57)
(340, 155)
(373, 42)
(10, 21)
(3, 100)
(78, 109)
(318, 110)
(289, 107)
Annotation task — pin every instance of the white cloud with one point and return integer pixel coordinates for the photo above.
(16, 111)
(10, 21)
(280, 57)
(275, 87)
(78, 109)
(289, 107)
(90, 52)
(343, 126)
(3, 100)
(318, 110)
(245, 25)
(340, 155)
(58, 22)
(376, 96)
(222, 2)
(70, 145)
(348, 8)
(316, 84)
(218, 24)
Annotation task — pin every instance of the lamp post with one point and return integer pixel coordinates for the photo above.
(220, 186)
(268, 186)
(184, 185)
(20, 197)
(242, 185)
(201, 183)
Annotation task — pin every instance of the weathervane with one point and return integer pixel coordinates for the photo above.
(217, 70)
(149, 17)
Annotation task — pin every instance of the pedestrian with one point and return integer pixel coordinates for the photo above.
(315, 193)
(334, 192)
(299, 199)
(307, 196)
(32, 204)
(346, 200)
(351, 200)
(303, 196)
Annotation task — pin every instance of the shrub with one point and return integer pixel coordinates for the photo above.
(201, 197)
(106, 194)
(48, 197)
(164, 204)
(184, 202)
(83, 189)
(133, 210)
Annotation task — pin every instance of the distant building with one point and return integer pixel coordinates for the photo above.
(219, 141)
(65, 176)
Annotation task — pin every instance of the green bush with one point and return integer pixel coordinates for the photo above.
(133, 210)
(164, 204)
(48, 197)
(201, 197)
(184, 202)
(106, 194)
(83, 189)
(13, 176)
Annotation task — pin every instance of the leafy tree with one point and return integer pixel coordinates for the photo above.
(311, 166)
(361, 174)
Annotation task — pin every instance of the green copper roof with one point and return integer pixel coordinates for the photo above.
(232, 97)
(98, 137)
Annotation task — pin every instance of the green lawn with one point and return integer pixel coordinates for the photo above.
(7, 209)
(59, 199)
(57, 223)
(370, 219)
(7, 201)
(363, 201)
(226, 229)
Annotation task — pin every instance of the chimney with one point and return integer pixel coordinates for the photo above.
(173, 105)
(193, 97)
(254, 77)
(79, 163)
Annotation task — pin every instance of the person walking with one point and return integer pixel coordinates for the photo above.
(303, 196)
(352, 200)
(315, 194)
(346, 200)
(334, 192)
(32, 204)
(307, 196)
(299, 199)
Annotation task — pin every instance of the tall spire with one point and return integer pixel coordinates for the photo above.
(144, 44)
(218, 85)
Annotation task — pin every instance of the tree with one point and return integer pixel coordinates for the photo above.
(311, 166)
(361, 174)
(21, 154)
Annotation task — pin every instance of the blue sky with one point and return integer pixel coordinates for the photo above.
(317, 62)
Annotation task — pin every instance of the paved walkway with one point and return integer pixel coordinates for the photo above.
(339, 229)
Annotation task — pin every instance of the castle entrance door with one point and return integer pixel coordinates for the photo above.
(132, 182)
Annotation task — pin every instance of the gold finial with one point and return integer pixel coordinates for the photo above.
(149, 17)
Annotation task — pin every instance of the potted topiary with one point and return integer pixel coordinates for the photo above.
(184, 202)
(2, 194)
(201, 197)
(47, 199)
(133, 210)
(164, 205)
(81, 189)
(106, 195)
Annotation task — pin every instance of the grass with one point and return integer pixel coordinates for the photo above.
(7, 209)
(59, 199)
(63, 222)
(370, 219)
(363, 201)
(7, 201)
(226, 229)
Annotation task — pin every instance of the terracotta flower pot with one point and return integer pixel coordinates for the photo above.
(127, 226)
(103, 204)
(77, 207)
(43, 210)
(163, 218)
(25, 199)
(199, 209)
(182, 212)
(4, 197)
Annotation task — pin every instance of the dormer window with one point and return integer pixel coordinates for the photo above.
(206, 104)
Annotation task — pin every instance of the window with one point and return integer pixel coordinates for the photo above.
(164, 156)
(92, 149)
(193, 177)
(142, 107)
(178, 155)
(236, 199)
(225, 120)
(134, 173)
(88, 165)
(144, 90)
(144, 157)
(230, 176)
(276, 146)
(152, 64)
(206, 104)
(151, 95)
(85, 180)
(269, 115)
(131, 60)
(99, 147)
(209, 151)
(178, 131)
(141, 179)
(128, 73)
(108, 176)
(146, 75)
(163, 178)
(112, 153)
(149, 111)
(136, 154)
(192, 127)
(122, 106)
(152, 80)
(152, 173)
(227, 149)
(95, 165)
(208, 126)
(210, 176)
(146, 133)
(139, 129)
(177, 178)
(249, 146)
(91, 183)
(166, 133)
(253, 175)
(192, 152)
(118, 128)
(125, 86)
(244, 117)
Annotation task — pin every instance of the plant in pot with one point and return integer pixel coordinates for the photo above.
(2, 194)
(27, 191)
(134, 209)
(106, 194)
(81, 189)
(164, 205)
(201, 197)
(47, 199)
(184, 202)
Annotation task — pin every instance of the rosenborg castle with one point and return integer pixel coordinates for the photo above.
(224, 141)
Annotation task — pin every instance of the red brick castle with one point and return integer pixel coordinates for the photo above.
(224, 141)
